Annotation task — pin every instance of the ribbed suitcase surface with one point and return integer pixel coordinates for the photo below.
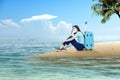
(88, 40)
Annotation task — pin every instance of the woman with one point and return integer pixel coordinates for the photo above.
(76, 39)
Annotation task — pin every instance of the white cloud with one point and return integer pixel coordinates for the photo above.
(63, 28)
(50, 26)
(39, 17)
(9, 22)
(64, 25)
(45, 20)
(39, 26)
(1, 25)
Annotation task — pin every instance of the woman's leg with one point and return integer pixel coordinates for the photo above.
(65, 43)
(77, 45)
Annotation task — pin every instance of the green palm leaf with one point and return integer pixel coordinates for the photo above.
(106, 8)
(107, 16)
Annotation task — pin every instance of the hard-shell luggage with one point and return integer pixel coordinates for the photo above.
(88, 40)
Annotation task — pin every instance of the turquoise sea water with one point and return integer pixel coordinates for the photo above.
(15, 63)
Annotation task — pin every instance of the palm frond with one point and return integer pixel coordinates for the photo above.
(106, 8)
(97, 9)
(118, 8)
(107, 16)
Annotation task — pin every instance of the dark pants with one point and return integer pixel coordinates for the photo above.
(77, 45)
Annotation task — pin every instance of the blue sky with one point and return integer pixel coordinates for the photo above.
(52, 19)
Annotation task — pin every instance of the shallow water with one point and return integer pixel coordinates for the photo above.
(16, 64)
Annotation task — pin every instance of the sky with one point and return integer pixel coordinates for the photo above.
(53, 19)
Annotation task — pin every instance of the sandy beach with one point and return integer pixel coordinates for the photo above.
(102, 49)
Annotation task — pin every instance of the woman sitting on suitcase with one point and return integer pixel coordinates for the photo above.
(76, 39)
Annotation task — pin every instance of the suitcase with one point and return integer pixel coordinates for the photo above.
(88, 40)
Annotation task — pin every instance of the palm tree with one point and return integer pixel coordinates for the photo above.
(106, 8)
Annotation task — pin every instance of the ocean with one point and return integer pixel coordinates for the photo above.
(16, 63)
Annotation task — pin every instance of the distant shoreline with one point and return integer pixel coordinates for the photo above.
(54, 40)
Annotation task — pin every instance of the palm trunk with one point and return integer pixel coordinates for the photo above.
(118, 15)
(117, 12)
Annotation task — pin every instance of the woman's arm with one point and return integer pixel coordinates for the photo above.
(70, 39)
(71, 31)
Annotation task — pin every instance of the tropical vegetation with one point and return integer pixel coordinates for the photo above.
(106, 8)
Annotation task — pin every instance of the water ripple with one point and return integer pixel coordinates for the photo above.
(15, 64)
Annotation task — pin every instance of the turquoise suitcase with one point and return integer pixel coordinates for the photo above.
(88, 40)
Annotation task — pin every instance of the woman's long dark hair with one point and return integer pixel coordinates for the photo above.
(76, 26)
